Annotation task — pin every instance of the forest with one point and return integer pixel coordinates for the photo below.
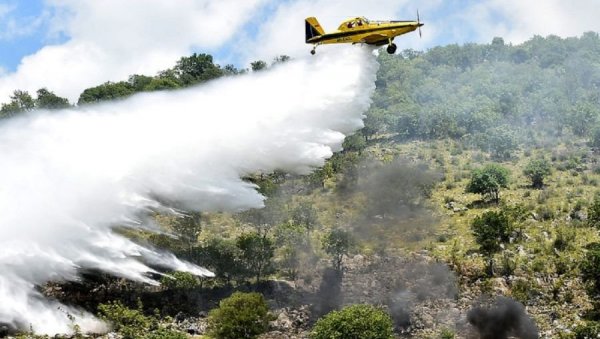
(467, 207)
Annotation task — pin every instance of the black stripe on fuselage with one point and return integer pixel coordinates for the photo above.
(356, 32)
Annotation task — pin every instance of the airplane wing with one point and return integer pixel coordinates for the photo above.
(376, 39)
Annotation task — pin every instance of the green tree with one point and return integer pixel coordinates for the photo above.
(20, 102)
(583, 117)
(305, 216)
(188, 227)
(354, 322)
(161, 84)
(48, 100)
(488, 180)
(258, 65)
(337, 243)
(501, 142)
(139, 82)
(537, 170)
(354, 143)
(256, 254)
(595, 140)
(107, 91)
(491, 230)
(222, 257)
(291, 240)
(281, 59)
(374, 123)
(242, 315)
(197, 68)
(231, 70)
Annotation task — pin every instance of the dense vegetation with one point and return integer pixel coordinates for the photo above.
(449, 130)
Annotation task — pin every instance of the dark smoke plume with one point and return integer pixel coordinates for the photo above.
(505, 318)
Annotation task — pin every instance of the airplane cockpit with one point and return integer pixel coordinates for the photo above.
(354, 23)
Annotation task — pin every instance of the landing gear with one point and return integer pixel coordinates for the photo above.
(391, 48)
(314, 50)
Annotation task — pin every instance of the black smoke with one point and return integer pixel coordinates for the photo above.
(503, 319)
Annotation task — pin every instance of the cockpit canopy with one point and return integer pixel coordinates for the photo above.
(353, 23)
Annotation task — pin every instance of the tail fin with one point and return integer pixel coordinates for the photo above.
(313, 28)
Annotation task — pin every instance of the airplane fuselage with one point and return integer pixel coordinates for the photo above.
(375, 33)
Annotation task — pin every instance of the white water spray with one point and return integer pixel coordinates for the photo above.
(68, 177)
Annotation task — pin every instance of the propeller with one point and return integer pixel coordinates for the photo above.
(419, 24)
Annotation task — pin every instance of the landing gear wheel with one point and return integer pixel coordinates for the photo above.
(312, 51)
(391, 48)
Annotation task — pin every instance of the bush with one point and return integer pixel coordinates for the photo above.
(594, 212)
(337, 243)
(222, 257)
(447, 333)
(242, 315)
(128, 322)
(179, 280)
(133, 324)
(521, 290)
(491, 230)
(356, 321)
(536, 170)
(590, 329)
(564, 238)
(488, 181)
(590, 267)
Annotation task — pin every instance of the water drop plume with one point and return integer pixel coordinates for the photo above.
(67, 178)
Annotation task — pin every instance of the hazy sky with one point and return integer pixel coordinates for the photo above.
(69, 45)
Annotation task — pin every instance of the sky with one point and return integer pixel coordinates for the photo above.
(69, 45)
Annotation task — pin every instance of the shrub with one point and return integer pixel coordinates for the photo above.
(594, 212)
(179, 280)
(337, 243)
(488, 181)
(590, 329)
(133, 324)
(242, 315)
(521, 290)
(537, 170)
(590, 267)
(491, 230)
(356, 321)
(564, 238)
(447, 333)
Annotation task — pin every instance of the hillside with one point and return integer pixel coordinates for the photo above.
(396, 219)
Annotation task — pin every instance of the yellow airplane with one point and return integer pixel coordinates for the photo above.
(360, 30)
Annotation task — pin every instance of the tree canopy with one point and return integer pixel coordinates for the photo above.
(488, 181)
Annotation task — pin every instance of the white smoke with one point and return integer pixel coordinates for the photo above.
(68, 177)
